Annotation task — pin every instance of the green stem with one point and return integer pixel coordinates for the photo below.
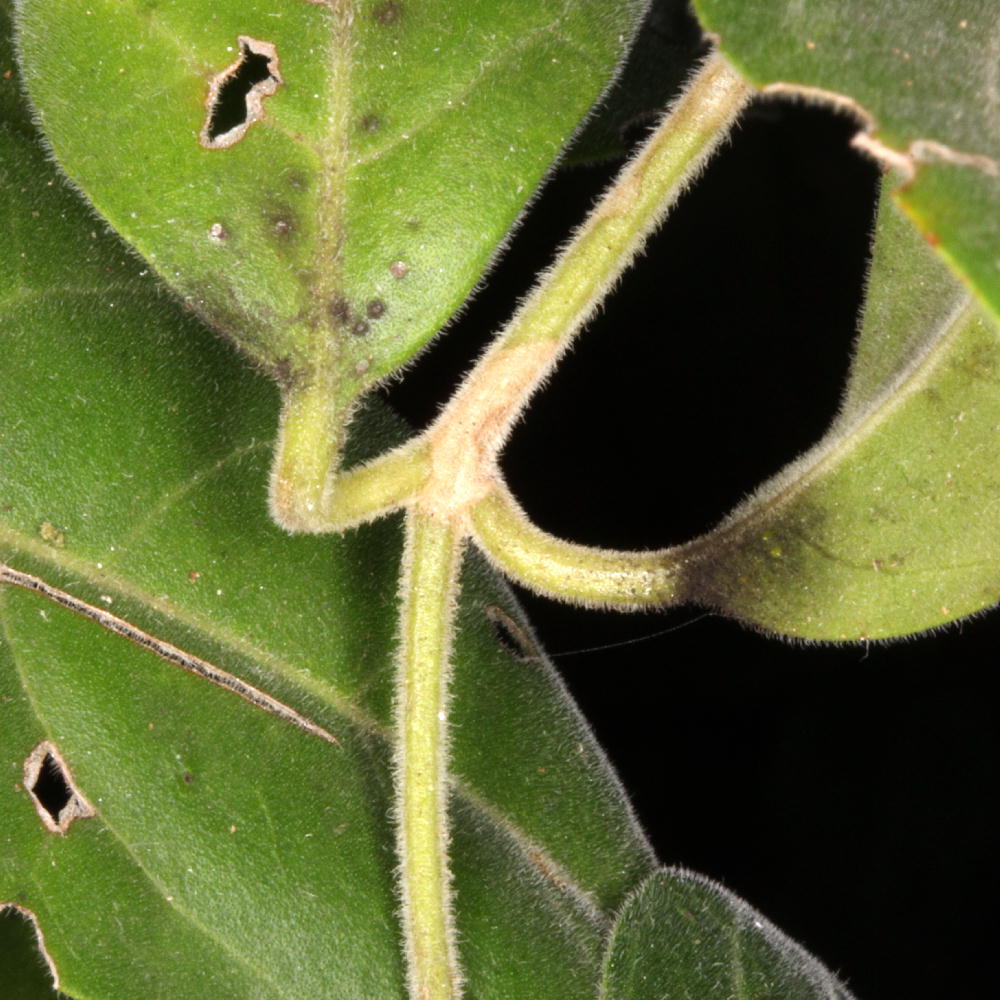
(475, 424)
(309, 493)
(431, 563)
(380, 486)
(634, 206)
(625, 581)
(307, 456)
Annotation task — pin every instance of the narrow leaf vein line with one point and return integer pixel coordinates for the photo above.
(165, 650)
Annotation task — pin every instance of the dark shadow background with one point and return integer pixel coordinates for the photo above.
(846, 792)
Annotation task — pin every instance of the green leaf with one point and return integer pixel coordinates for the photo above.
(395, 145)
(889, 525)
(924, 74)
(683, 937)
(233, 854)
(22, 968)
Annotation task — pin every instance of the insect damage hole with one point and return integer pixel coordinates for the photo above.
(236, 95)
(56, 798)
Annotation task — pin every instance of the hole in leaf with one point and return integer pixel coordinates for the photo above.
(50, 789)
(516, 639)
(56, 798)
(236, 95)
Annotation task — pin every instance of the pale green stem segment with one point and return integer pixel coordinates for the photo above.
(379, 486)
(634, 206)
(314, 419)
(601, 578)
(429, 585)
(308, 491)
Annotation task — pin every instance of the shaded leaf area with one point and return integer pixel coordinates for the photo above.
(23, 971)
(232, 854)
(926, 73)
(682, 935)
(14, 113)
(890, 525)
(355, 214)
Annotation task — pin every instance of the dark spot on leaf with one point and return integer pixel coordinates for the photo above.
(359, 327)
(340, 310)
(375, 309)
(512, 636)
(389, 12)
(56, 798)
(236, 95)
(399, 268)
(188, 777)
(370, 123)
(282, 372)
(282, 227)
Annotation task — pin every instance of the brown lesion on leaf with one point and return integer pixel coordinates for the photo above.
(344, 316)
(57, 800)
(548, 870)
(340, 310)
(512, 636)
(389, 12)
(236, 95)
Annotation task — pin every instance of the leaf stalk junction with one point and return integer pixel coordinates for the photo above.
(449, 482)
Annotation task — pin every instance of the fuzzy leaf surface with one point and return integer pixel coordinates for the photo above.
(891, 524)
(682, 935)
(396, 145)
(925, 73)
(232, 854)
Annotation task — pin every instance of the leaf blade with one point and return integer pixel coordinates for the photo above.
(680, 934)
(889, 525)
(362, 207)
(924, 76)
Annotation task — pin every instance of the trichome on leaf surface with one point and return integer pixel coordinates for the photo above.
(276, 726)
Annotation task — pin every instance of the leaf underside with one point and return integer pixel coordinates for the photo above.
(890, 524)
(681, 935)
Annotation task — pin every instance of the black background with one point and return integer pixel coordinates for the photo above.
(844, 791)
